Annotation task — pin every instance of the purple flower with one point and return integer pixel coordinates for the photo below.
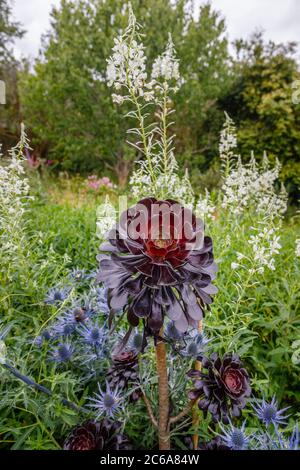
(62, 353)
(269, 413)
(93, 334)
(56, 295)
(106, 402)
(235, 438)
(166, 270)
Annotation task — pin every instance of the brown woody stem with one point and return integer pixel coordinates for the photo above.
(195, 414)
(183, 413)
(150, 411)
(163, 394)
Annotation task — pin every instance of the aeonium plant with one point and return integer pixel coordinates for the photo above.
(157, 263)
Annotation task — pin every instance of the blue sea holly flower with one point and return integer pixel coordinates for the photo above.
(93, 334)
(76, 316)
(294, 442)
(79, 313)
(78, 275)
(269, 413)
(62, 353)
(56, 295)
(235, 438)
(172, 333)
(46, 335)
(196, 345)
(136, 342)
(106, 402)
(101, 299)
(64, 328)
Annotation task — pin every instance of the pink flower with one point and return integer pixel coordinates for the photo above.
(94, 183)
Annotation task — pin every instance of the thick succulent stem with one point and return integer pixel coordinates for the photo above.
(163, 393)
(195, 414)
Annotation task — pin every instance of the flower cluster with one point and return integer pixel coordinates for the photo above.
(248, 185)
(297, 250)
(79, 331)
(223, 389)
(264, 438)
(170, 184)
(95, 183)
(264, 245)
(228, 144)
(166, 66)
(166, 269)
(205, 208)
(14, 190)
(127, 65)
(106, 218)
(97, 435)
(158, 173)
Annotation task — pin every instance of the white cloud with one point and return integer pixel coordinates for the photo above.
(35, 18)
(279, 19)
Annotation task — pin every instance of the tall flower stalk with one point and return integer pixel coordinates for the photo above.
(152, 277)
(14, 195)
(157, 172)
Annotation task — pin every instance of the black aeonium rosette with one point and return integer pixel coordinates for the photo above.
(222, 386)
(123, 373)
(97, 435)
(158, 262)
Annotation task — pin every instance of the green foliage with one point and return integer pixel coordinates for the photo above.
(9, 30)
(9, 116)
(66, 100)
(260, 102)
(257, 317)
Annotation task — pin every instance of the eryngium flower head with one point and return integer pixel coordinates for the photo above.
(101, 299)
(137, 342)
(172, 333)
(235, 438)
(269, 413)
(56, 295)
(93, 334)
(106, 402)
(45, 336)
(165, 269)
(78, 275)
(97, 435)
(124, 372)
(62, 353)
(294, 441)
(196, 344)
(223, 388)
(63, 328)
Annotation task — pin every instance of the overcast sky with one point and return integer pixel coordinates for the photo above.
(280, 19)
